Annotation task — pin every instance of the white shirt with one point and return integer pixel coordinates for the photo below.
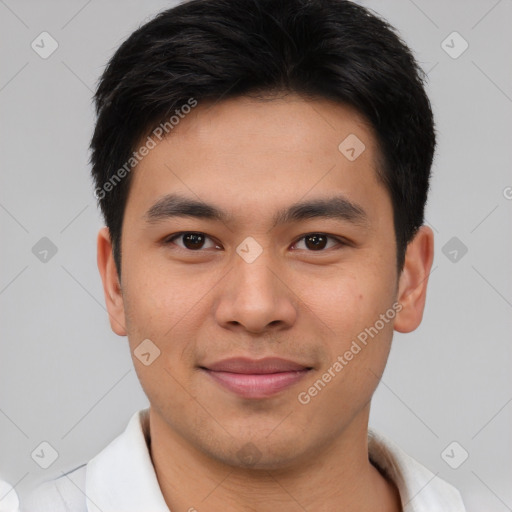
(121, 478)
(8, 498)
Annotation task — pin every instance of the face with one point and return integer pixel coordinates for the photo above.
(261, 297)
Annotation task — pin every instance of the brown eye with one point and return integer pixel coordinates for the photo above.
(192, 241)
(315, 241)
(318, 242)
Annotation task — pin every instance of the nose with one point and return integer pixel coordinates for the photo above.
(255, 297)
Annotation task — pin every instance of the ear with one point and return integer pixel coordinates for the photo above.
(412, 287)
(111, 283)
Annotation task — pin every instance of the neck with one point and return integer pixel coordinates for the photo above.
(337, 476)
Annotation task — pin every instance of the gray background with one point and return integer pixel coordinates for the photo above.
(65, 378)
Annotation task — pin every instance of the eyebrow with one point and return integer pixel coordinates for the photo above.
(337, 207)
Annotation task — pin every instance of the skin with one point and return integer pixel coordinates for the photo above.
(252, 158)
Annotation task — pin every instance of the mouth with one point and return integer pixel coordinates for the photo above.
(256, 378)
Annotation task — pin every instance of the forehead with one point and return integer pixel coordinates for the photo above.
(282, 123)
(258, 153)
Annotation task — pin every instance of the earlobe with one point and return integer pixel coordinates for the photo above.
(412, 289)
(111, 283)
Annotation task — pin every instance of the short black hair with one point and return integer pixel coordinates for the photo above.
(220, 49)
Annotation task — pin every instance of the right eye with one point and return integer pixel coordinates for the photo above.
(191, 240)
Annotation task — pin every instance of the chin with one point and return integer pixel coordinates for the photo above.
(261, 454)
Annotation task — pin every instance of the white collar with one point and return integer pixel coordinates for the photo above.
(420, 489)
(122, 476)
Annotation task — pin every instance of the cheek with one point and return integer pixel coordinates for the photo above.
(340, 300)
(163, 308)
(170, 308)
(350, 304)
(159, 299)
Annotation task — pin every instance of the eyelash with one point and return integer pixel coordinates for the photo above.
(170, 240)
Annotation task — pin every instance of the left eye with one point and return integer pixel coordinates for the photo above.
(317, 241)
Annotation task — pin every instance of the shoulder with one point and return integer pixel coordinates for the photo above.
(420, 489)
(63, 494)
(112, 476)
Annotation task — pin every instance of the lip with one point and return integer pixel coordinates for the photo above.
(256, 378)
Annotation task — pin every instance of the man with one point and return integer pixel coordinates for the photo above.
(263, 168)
